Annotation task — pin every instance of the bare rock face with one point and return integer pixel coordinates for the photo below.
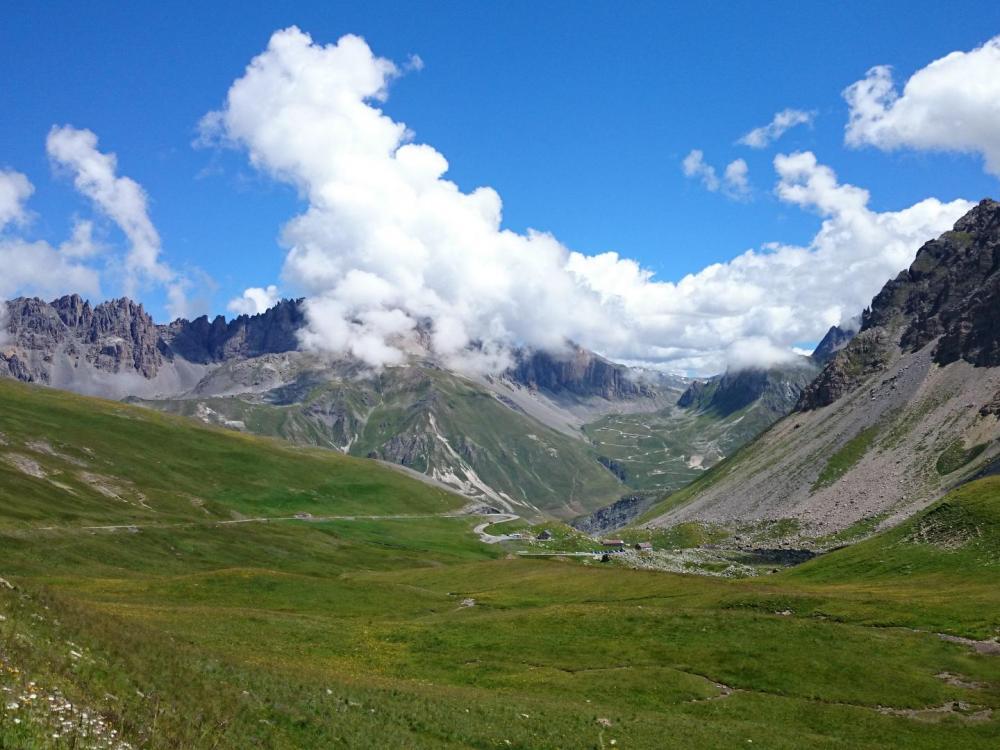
(203, 341)
(776, 389)
(120, 335)
(580, 372)
(116, 336)
(951, 293)
(620, 513)
(866, 354)
(834, 340)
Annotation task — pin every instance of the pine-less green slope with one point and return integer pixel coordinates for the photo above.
(307, 634)
(665, 451)
(940, 570)
(434, 422)
(71, 460)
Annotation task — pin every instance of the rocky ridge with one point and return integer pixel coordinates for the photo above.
(948, 296)
(900, 415)
(776, 389)
(834, 340)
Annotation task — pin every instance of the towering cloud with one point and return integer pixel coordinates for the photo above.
(951, 105)
(387, 243)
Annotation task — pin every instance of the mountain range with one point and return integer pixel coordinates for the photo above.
(888, 413)
(533, 437)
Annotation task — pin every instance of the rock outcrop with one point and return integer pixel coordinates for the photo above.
(866, 354)
(834, 340)
(579, 372)
(620, 513)
(950, 294)
(776, 389)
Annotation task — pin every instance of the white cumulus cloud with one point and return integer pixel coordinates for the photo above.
(387, 243)
(780, 124)
(254, 300)
(14, 192)
(953, 104)
(35, 267)
(124, 201)
(121, 198)
(733, 183)
(694, 165)
(735, 177)
(779, 294)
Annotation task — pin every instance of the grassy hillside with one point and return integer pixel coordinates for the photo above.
(474, 439)
(68, 460)
(665, 451)
(375, 630)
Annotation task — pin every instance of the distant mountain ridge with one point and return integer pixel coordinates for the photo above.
(120, 336)
(514, 439)
(777, 388)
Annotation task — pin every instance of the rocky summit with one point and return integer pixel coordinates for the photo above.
(114, 337)
(948, 297)
(902, 413)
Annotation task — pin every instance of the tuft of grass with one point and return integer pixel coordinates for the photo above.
(956, 455)
(845, 458)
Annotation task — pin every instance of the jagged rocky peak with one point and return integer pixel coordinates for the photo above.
(579, 372)
(73, 310)
(950, 294)
(776, 388)
(120, 336)
(125, 337)
(835, 339)
(114, 336)
(203, 341)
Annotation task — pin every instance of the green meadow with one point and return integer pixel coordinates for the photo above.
(209, 616)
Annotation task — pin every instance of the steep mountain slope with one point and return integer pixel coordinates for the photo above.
(419, 416)
(898, 416)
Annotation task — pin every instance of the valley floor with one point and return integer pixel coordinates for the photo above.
(175, 630)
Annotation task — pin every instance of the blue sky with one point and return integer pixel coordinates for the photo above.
(578, 114)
